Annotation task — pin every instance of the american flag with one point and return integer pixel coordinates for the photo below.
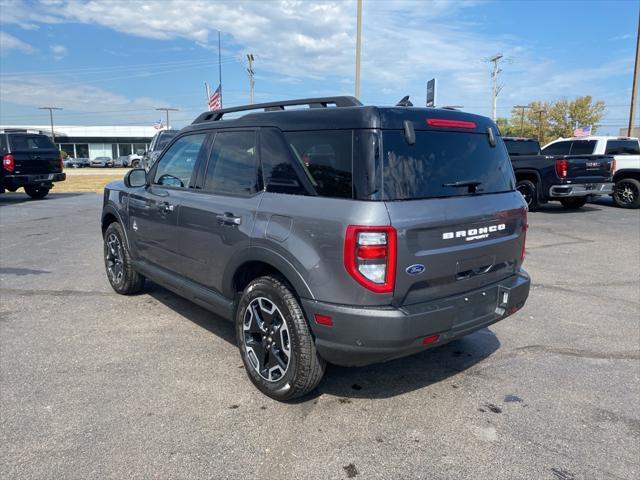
(215, 102)
(582, 131)
(158, 125)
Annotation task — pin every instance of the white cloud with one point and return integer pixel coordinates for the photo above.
(9, 42)
(58, 51)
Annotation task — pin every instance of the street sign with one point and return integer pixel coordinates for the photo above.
(431, 93)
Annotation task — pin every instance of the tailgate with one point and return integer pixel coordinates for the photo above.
(588, 168)
(449, 246)
(28, 163)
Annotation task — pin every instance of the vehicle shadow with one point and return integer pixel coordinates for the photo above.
(383, 380)
(15, 198)
(557, 209)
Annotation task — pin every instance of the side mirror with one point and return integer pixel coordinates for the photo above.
(136, 177)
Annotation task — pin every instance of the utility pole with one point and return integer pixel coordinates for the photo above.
(495, 88)
(51, 109)
(167, 110)
(358, 47)
(540, 113)
(251, 73)
(634, 88)
(522, 109)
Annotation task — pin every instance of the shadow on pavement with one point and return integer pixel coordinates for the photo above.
(15, 198)
(375, 381)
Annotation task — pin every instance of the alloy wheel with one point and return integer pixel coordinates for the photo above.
(626, 193)
(114, 259)
(526, 193)
(266, 339)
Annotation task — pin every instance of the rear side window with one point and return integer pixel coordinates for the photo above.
(583, 147)
(163, 140)
(522, 147)
(278, 171)
(232, 167)
(558, 148)
(176, 165)
(30, 142)
(438, 160)
(327, 159)
(622, 147)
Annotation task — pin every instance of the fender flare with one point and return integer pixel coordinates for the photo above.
(269, 257)
(110, 209)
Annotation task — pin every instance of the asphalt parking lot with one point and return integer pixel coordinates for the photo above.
(96, 385)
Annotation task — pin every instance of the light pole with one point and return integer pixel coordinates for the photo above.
(251, 73)
(51, 109)
(495, 88)
(358, 47)
(540, 113)
(634, 88)
(167, 110)
(522, 109)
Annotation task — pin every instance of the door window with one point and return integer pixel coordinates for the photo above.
(583, 147)
(176, 165)
(233, 164)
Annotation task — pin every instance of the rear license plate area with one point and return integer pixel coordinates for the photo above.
(475, 306)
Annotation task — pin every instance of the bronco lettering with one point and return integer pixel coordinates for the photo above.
(474, 233)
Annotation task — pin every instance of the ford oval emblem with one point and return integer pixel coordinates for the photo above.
(415, 269)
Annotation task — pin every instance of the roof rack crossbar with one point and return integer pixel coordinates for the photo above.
(343, 101)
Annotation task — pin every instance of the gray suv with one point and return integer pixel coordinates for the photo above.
(337, 233)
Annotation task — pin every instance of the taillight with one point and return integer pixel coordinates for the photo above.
(561, 168)
(370, 256)
(8, 162)
(525, 227)
(446, 123)
(613, 166)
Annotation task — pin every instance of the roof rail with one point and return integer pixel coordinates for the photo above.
(344, 101)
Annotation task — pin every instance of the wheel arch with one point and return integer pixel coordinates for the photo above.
(627, 173)
(109, 216)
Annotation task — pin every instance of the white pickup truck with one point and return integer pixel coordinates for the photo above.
(625, 151)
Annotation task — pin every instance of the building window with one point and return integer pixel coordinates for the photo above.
(114, 150)
(125, 149)
(67, 148)
(139, 148)
(82, 150)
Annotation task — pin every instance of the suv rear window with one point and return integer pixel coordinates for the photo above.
(326, 157)
(622, 147)
(522, 147)
(583, 147)
(438, 159)
(30, 142)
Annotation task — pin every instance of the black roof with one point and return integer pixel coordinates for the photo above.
(347, 113)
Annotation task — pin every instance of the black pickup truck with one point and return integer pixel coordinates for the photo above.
(30, 161)
(570, 179)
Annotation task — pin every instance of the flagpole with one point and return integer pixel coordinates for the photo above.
(220, 68)
(206, 92)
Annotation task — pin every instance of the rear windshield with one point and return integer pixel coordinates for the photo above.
(438, 160)
(30, 142)
(622, 147)
(522, 147)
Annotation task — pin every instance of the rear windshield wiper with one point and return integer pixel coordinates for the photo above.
(471, 184)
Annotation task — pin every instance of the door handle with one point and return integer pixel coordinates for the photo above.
(229, 219)
(167, 207)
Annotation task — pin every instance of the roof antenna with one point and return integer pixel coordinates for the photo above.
(405, 102)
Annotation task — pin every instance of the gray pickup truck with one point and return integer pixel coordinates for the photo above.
(337, 233)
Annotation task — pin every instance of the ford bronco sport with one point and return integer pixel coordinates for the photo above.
(336, 233)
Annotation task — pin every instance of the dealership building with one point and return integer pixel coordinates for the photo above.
(94, 141)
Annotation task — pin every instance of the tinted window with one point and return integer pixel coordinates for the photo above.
(622, 147)
(30, 142)
(163, 140)
(176, 165)
(232, 165)
(326, 158)
(522, 147)
(583, 147)
(278, 170)
(430, 167)
(558, 148)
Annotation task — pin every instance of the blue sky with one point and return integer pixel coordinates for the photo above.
(112, 62)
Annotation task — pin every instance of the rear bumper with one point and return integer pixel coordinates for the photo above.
(364, 335)
(41, 179)
(580, 190)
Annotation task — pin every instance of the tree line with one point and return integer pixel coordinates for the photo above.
(547, 121)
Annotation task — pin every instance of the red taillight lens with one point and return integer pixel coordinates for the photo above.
(430, 339)
(446, 123)
(8, 162)
(525, 227)
(370, 256)
(561, 168)
(613, 166)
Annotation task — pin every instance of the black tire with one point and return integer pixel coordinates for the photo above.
(117, 261)
(135, 164)
(11, 189)
(573, 203)
(37, 192)
(626, 193)
(270, 319)
(529, 191)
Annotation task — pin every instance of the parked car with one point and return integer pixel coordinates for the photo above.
(101, 162)
(30, 161)
(121, 161)
(625, 151)
(158, 142)
(76, 162)
(353, 235)
(569, 179)
(135, 160)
